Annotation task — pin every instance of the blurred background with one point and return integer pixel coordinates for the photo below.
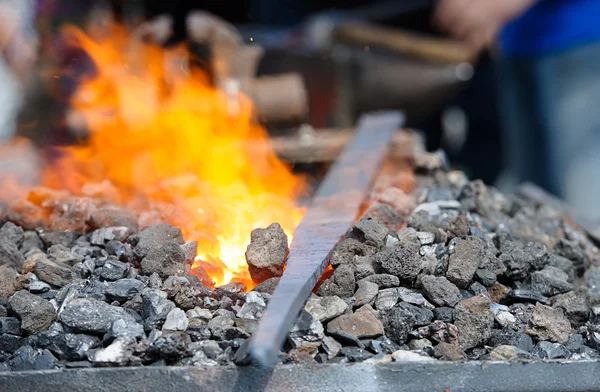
(507, 91)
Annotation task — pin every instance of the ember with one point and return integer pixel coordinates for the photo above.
(170, 147)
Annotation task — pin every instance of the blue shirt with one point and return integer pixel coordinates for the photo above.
(552, 26)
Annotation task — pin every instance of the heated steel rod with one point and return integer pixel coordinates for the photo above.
(331, 213)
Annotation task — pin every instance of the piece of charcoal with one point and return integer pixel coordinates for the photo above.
(155, 308)
(93, 316)
(36, 314)
(355, 354)
(113, 270)
(27, 358)
(550, 281)
(307, 332)
(549, 350)
(523, 295)
(485, 277)
(10, 325)
(10, 343)
(124, 289)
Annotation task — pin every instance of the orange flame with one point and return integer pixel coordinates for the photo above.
(175, 151)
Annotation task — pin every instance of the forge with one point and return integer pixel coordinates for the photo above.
(175, 248)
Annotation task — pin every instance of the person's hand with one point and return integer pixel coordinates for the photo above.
(478, 22)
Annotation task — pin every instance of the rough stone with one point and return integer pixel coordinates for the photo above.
(350, 250)
(36, 313)
(8, 282)
(331, 347)
(176, 321)
(266, 253)
(505, 318)
(10, 343)
(385, 214)
(10, 325)
(307, 332)
(355, 354)
(124, 289)
(113, 217)
(575, 305)
(449, 352)
(398, 322)
(384, 281)
(220, 325)
(341, 283)
(521, 260)
(548, 350)
(485, 277)
(401, 260)
(155, 308)
(91, 315)
(127, 329)
(27, 358)
(10, 254)
(550, 324)
(63, 255)
(53, 273)
(12, 233)
(387, 298)
(592, 281)
(106, 234)
(509, 337)
(464, 261)
(550, 281)
(509, 353)
(419, 344)
(166, 261)
(440, 291)
(474, 321)
(268, 286)
(39, 287)
(443, 314)
(31, 240)
(360, 325)
(370, 232)
(325, 308)
(367, 291)
(362, 271)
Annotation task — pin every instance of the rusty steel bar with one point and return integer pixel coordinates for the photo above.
(331, 213)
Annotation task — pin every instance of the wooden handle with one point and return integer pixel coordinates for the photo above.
(430, 48)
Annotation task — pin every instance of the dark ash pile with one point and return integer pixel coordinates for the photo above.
(473, 274)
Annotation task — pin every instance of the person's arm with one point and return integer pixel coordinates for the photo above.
(478, 22)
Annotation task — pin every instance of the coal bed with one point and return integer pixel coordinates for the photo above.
(454, 271)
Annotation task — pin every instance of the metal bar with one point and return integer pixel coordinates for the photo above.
(333, 210)
(537, 194)
(489, 376)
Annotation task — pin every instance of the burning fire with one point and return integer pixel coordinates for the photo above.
(176, 150)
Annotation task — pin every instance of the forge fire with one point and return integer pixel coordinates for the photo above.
(163, 146)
